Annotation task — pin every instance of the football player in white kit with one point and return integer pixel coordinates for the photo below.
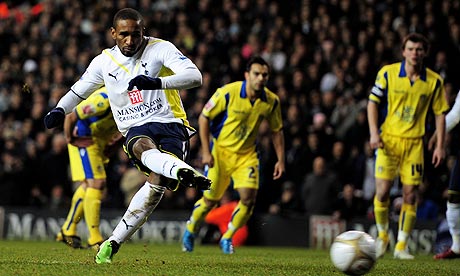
(142, 75)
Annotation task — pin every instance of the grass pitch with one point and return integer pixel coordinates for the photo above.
(53, 258)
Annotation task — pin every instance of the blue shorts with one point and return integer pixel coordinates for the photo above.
(171, 138)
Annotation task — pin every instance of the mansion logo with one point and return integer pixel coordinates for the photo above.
(135, 96)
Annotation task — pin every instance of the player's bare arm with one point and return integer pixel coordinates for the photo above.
(372, 113)
(203, 123)
(278, 143)
(439, 151)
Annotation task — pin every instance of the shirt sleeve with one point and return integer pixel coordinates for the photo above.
(275, 120)
(440, 105)
(453, 117)
(380, 86)
(91, 80)
(216, 104)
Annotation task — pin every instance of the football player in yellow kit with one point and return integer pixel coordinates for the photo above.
(232, 117)
(89, 130)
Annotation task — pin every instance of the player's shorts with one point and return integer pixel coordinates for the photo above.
(87, 163)
(170, 138)
(241, 169)
(403, 155)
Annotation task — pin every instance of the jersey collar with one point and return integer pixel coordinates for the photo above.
(243, 94)
(402, 71)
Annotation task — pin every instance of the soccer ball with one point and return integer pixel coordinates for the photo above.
(353, 252)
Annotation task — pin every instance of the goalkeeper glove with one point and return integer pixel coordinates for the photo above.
(143, 82)
(54, 118)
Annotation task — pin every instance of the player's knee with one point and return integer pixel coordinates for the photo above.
(141, 145)
(248, 202)
(97, 184)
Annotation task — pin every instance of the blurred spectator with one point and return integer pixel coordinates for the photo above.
(349, 203)
(289, 204)
(320, 189)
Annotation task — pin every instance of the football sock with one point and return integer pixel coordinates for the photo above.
(141, 206)
(200, 210)
(240, 216)
(381, 217)
(75, 213)
(406, 224)
(163, 163)
(453, 220)
(92, 207)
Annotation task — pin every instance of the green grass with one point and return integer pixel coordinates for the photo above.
(52, 258)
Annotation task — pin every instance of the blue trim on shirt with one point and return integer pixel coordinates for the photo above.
(403, 73)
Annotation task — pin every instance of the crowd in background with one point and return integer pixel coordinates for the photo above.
(324, 57)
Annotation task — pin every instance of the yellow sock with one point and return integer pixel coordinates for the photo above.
(381, 217)
(92, 205)
(200, 210)
(407, 219)
(240, 216)
(75, 213)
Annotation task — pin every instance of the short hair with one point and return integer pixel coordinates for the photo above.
(127, 13)
(256, 60)
(417, 38)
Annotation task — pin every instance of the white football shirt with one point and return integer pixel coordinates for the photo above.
(159, 58)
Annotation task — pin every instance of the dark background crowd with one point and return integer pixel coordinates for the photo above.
(324, 57)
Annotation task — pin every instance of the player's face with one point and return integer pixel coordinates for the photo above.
(414, 53)
(257, 77)
(128, 34)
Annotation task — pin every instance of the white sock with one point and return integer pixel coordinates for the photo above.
(163, 163)
(141, 206)
(453, 220)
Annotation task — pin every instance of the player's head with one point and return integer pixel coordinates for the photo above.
(415, 47)
(257, 73)
(128, 31)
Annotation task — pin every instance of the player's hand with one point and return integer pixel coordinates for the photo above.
(208, 160)
(54, 118)
(375, 142)
(438, 156)
(143, 82)
(278, 171)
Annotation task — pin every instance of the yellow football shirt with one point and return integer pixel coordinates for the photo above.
(403, 104)
(235, 120)
(95, 117)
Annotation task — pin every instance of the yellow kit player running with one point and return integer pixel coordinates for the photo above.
(398, 104)
(89, 130)
(233, 116)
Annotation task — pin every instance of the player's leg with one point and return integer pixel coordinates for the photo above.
(385, 172)
(142, 142)
(92, 207)
(407, 218)
(411, 173)
(147, 198)
(246, 182)
(220, 182)
(141, 206)
(68, 232)
(453, 214)
(94, 161)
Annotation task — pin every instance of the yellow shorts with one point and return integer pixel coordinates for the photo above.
(240, 169)
(403, 155)
(87, 163)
